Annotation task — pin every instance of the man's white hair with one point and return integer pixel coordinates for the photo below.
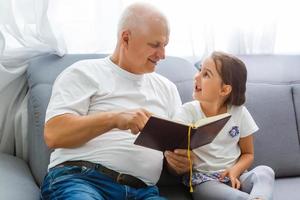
(135, 16)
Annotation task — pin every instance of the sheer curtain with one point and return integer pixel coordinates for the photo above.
(238, 27)
(87, 26)
(25, 33)
(197, 26)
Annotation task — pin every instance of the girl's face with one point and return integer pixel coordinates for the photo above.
(208, 83)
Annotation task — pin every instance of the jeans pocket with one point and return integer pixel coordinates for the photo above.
(64, 172)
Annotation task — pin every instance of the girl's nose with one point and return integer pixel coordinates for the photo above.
(197, 75)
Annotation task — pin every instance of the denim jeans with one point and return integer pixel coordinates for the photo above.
(72, 182)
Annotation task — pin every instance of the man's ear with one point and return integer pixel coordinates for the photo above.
(125, 37)
(226, 89)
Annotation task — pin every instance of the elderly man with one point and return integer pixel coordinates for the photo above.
(98, 106)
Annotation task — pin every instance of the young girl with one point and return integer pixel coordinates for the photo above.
(220, 168)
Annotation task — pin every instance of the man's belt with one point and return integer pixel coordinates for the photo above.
(124, 179)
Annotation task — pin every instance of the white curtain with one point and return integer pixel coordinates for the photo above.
(238, 27)
(197, 26)
(87, 26)
(25, 33)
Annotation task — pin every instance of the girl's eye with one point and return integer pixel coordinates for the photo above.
(205, 74)
(199, 68)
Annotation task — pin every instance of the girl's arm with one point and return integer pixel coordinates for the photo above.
(247, 155)
(243, 163)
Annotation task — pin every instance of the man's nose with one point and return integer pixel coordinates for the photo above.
(161, 53)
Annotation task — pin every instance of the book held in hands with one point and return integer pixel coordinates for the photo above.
(163, 134)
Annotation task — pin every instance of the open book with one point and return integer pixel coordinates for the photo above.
(163, 134)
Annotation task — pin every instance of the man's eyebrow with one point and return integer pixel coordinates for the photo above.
(158, 43)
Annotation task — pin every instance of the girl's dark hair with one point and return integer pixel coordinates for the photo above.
(233, 72)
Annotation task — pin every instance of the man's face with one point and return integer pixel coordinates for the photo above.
(146, 48)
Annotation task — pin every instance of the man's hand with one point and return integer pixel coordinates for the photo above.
(134, 120)
(178, 162)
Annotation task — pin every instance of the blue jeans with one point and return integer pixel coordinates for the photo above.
(72, 182)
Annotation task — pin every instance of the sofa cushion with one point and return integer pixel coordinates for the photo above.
(276, 142)
(276, 69)
(287, 188)
(19, 183)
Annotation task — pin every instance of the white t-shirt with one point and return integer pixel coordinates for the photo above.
(224, 151)
(98, 85)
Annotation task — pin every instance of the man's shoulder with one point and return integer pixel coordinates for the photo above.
(89, 63)
(87, 66)
(91, 69)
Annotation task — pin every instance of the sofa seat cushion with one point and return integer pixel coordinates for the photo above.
(16, 181)
(287, 188)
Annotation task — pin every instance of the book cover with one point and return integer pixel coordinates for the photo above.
(163, 134)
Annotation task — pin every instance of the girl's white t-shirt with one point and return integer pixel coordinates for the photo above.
(224, 151)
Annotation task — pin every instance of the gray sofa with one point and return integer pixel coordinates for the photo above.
(273, 98)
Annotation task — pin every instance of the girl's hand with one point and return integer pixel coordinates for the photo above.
(235, 182)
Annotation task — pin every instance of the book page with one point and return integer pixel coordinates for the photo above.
(208, 120)
(171, 120)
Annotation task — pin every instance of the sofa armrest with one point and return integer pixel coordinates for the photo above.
(16, 181)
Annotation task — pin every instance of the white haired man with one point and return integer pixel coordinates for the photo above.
(98, 106)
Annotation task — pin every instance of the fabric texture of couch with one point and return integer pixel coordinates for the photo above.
(273, 99)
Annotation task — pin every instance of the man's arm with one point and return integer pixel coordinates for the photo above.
(69, 130)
